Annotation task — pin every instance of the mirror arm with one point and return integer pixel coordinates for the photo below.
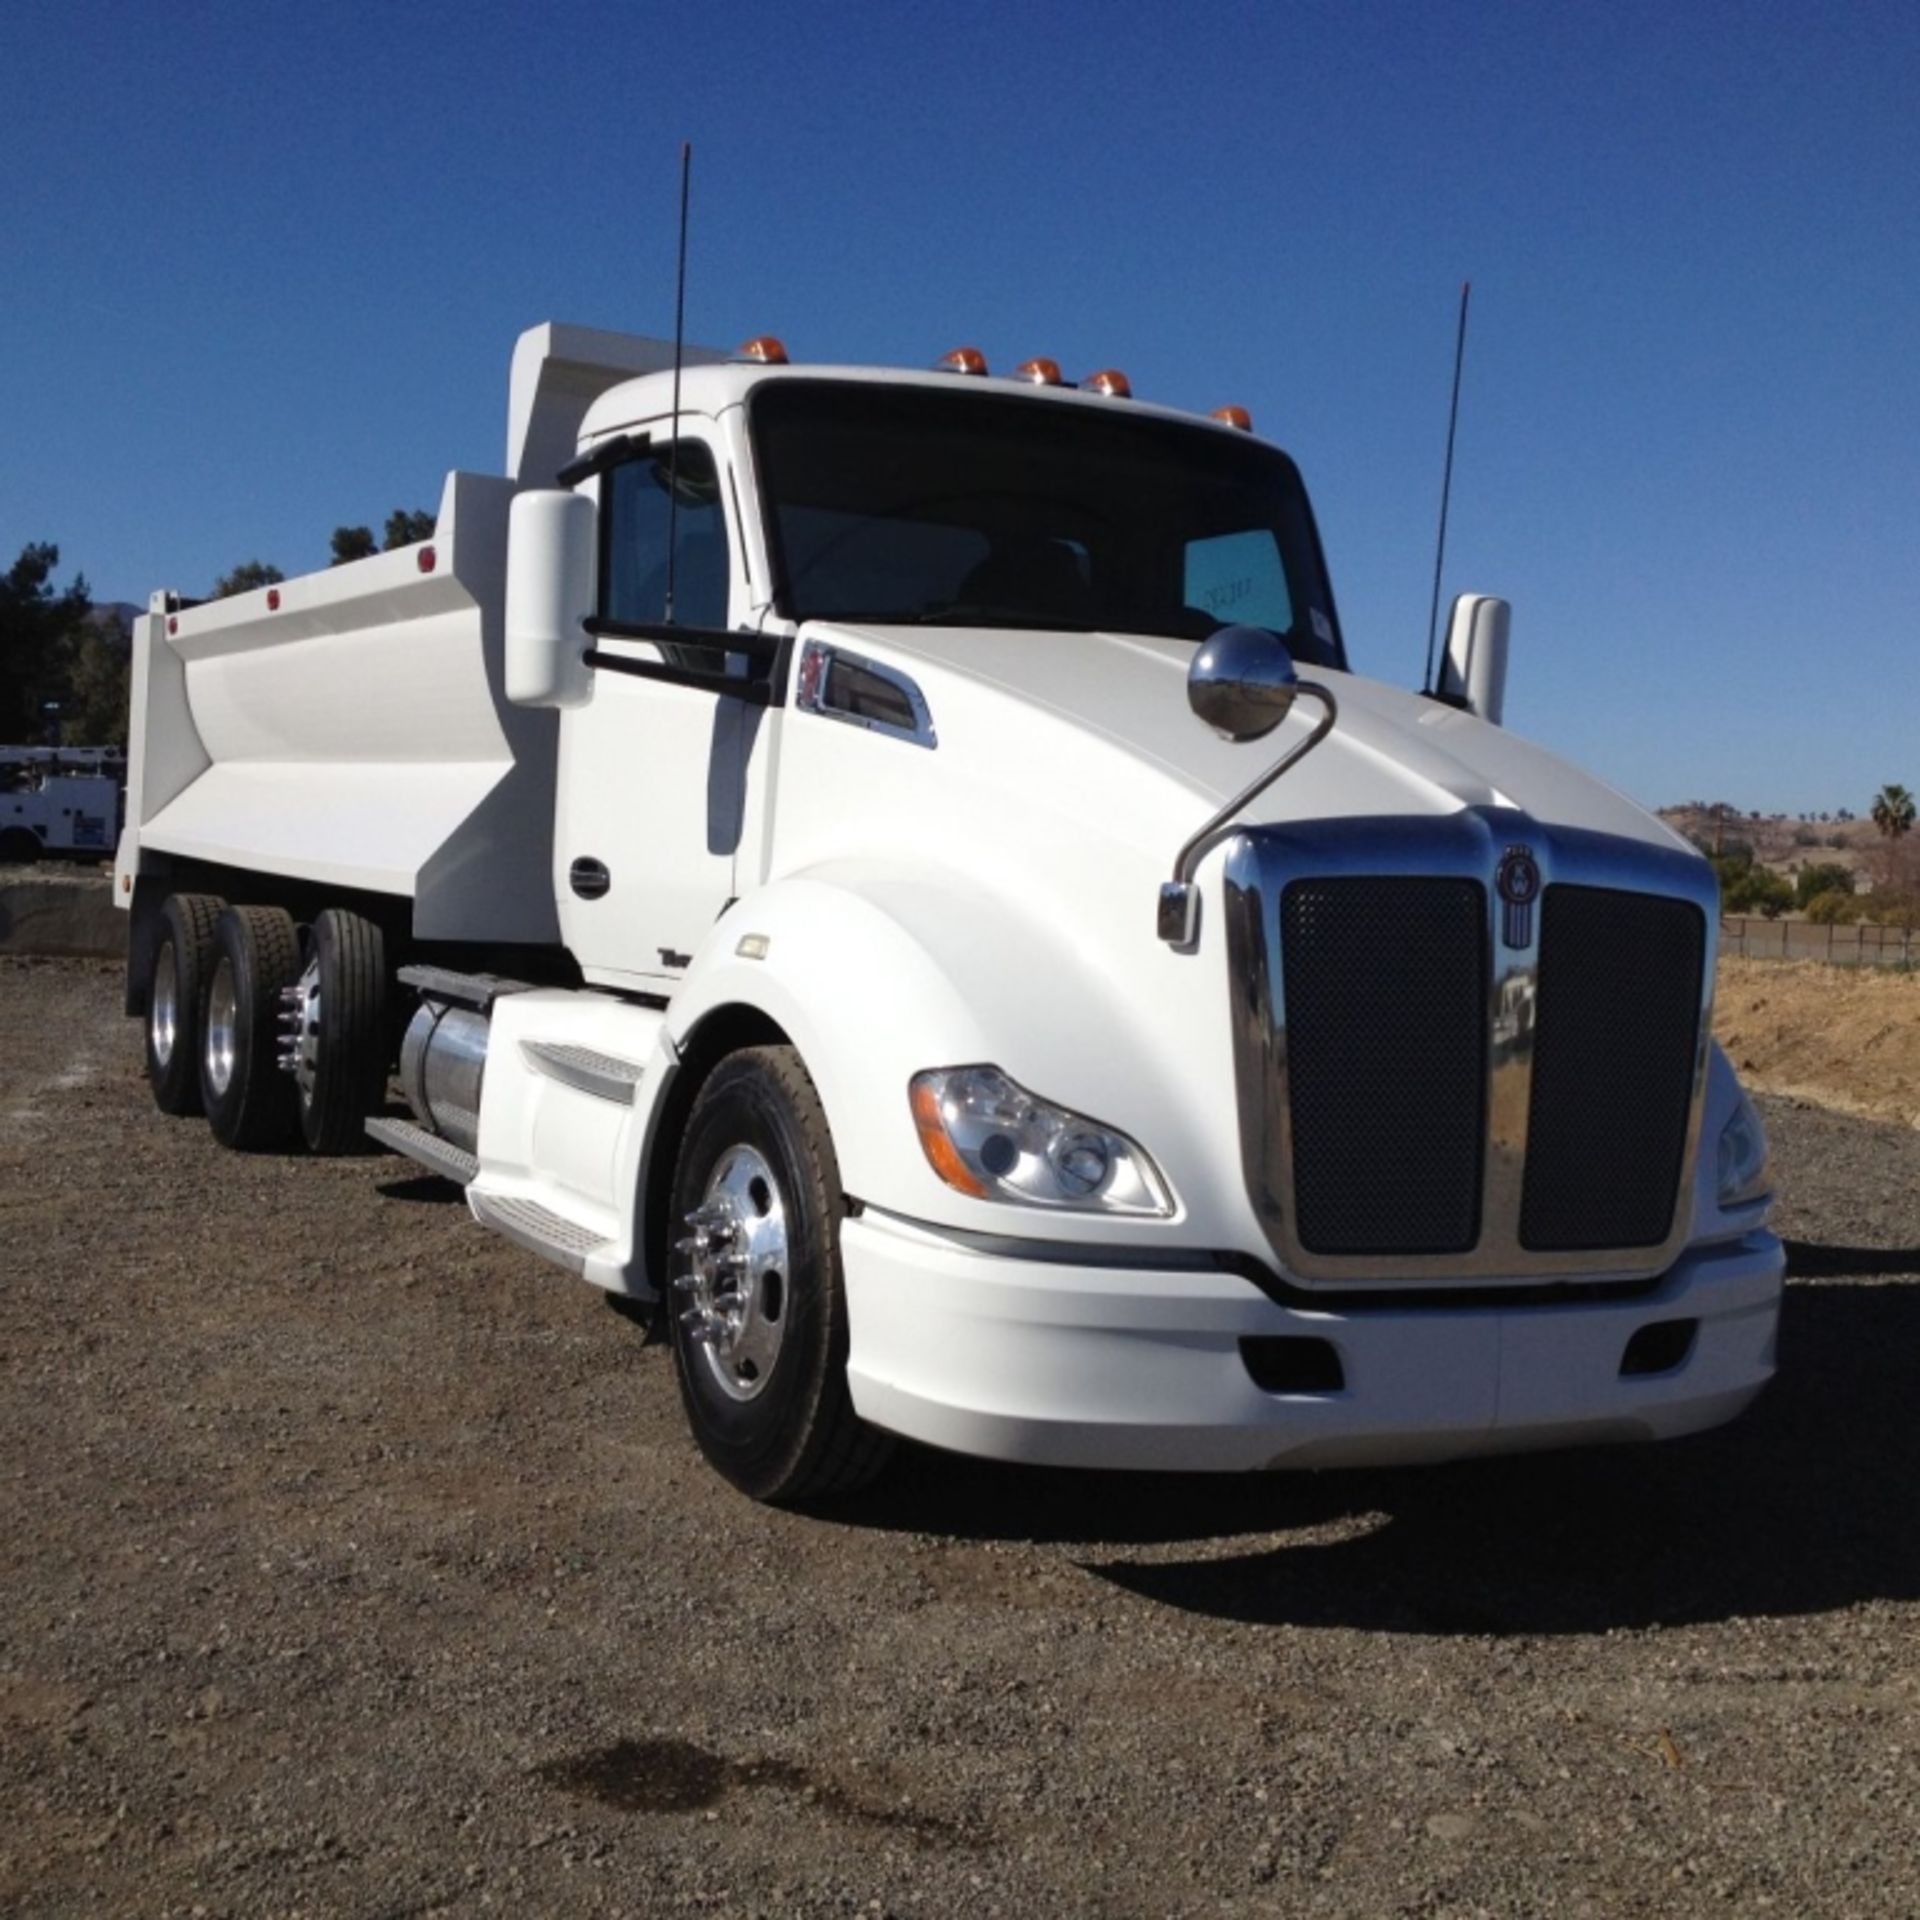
(1179, 915)
(753, 692)
(761, 648)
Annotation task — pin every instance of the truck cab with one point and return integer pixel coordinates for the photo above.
(896, 875)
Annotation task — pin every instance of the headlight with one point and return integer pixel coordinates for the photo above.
(1743, 1157)
(985, 1136)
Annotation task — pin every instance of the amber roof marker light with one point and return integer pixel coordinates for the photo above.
(765, 350)
(968, 360)
(1233, 417)
(1040, 371)
(1110, 381)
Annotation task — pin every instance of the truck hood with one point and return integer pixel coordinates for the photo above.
(1392, 753)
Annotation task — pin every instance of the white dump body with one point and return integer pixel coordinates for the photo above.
(356, 733)
(351, 727)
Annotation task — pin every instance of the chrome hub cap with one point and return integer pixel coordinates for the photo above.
(223, 1026)
(163, 1007)
(732, 1292)
(300, 1030)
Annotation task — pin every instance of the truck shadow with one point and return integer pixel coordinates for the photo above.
(1810, 1502)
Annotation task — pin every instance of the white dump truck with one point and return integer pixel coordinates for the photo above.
(893, 876)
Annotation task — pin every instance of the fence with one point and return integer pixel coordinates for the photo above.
(1859, 945)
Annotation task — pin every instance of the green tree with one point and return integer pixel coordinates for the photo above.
(1816, 879)
(1893, 811)
(1768, 892)
(38, 630)
(248, 575)
(407, 528)
(1834, 908)
(96, 711)
(1748, 887)
(351, 543)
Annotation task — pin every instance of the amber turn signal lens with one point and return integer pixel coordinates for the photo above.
(942, 1155)
(765, 349)
(962, 360)
(1112, 382)
(1042, 372)
(1233, 417)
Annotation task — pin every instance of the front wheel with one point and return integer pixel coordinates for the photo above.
(758, 1305)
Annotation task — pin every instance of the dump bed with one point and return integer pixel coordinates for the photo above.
(351, 727)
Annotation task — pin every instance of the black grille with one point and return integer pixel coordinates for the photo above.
(1386, 1010)
(1619, 1017)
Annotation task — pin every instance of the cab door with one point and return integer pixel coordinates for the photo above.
(653, 767)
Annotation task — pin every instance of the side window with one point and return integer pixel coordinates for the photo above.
(633, 545)
(1238, 578)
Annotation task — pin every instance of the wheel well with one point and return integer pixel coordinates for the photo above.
(726, 1030)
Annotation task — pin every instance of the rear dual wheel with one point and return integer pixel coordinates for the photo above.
(271, 1043)
(176, 987)
(335, 1024)
(251, 1104)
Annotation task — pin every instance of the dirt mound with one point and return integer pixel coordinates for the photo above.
(1847, 1037)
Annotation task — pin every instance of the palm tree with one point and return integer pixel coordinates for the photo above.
(1893, 811)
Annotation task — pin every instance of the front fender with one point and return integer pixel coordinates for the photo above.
(876, 973)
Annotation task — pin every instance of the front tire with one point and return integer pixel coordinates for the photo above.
(757, 1304)
(251, 1103)
(176, 985)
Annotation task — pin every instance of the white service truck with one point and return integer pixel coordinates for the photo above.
(844, 860)
(57, 803)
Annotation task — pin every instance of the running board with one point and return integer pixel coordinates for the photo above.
(585, 1069)
(428, 1149)
(539, 1229)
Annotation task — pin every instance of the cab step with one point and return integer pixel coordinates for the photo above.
(567, 1243)
(426, 1149)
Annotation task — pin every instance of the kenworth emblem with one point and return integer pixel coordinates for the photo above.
(1518, 884)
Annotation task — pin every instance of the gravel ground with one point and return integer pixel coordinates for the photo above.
(353, 1563)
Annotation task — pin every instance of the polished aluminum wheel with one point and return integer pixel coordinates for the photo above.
(734, 1287)
(223, 1026)
(163, 1007)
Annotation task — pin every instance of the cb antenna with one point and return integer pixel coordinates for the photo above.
(1446, 485)
(679, 349)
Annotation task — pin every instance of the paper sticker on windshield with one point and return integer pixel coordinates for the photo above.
(1323, 626)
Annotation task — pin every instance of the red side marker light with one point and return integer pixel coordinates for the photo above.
(273, 599)
(173, 623)
(962, 360)
(1233, 417)
(764, 349)
(1112, 382)
(1041, 372)
(427, 560)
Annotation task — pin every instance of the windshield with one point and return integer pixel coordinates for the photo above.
(905, 505)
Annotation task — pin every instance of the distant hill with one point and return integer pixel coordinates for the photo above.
(1779, 840)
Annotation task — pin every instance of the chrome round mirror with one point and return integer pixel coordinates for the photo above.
(1242, 682)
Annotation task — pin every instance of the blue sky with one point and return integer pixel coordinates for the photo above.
(265, 266)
